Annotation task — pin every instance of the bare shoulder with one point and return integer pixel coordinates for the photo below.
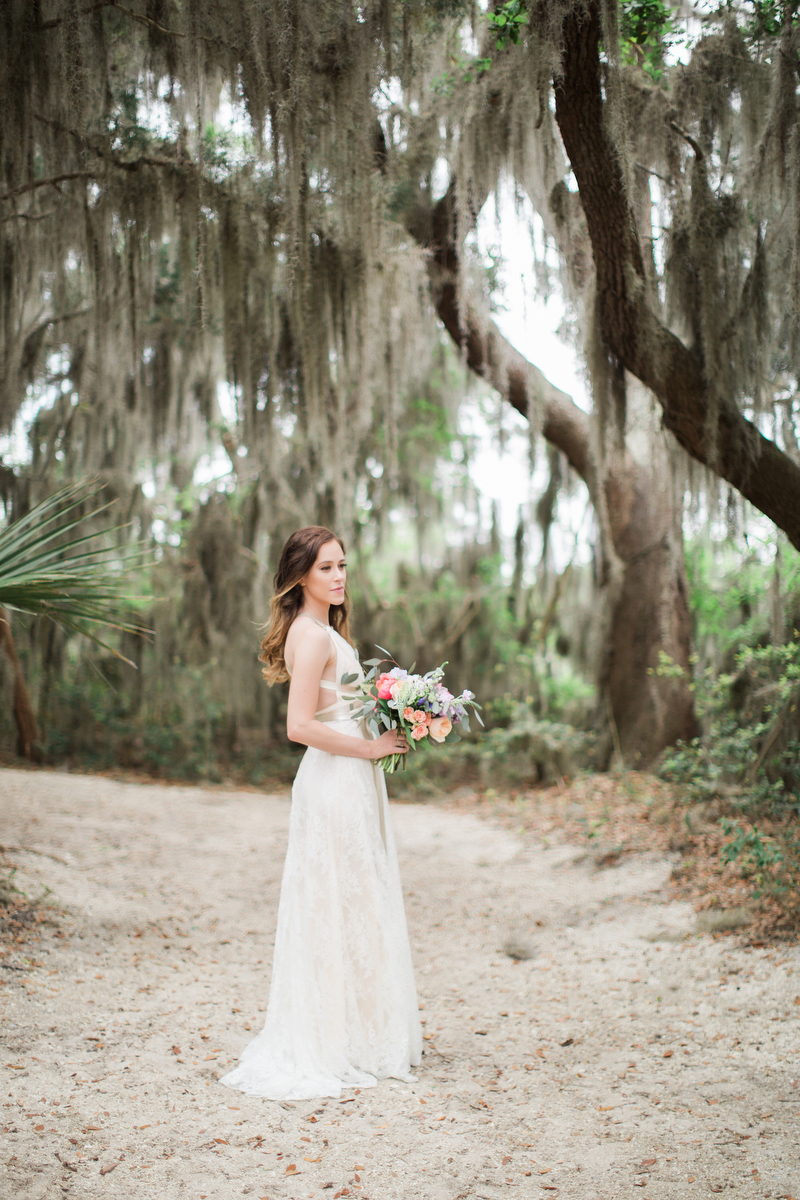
(308, 641)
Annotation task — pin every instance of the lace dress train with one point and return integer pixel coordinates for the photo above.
(342, 1008)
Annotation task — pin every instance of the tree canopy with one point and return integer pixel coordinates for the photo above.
(279, 200)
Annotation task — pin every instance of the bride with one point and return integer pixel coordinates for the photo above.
(342, 1006)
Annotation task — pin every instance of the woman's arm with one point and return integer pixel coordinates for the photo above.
(311, 653)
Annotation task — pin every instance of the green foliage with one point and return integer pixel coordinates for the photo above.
(530, 749)
(748, 752)
(730, 595)
(77, 581)
(465, 70)
(645, 33)
(506, 22)
(745, 769)
(765, 20)
(754, 853)
(182, 734)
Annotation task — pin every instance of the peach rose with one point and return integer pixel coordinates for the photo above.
(440, 727)
(395, 688)
(408, 714)
(422, 718)
(419, 731)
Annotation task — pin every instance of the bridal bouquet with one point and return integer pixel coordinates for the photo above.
(420, 705)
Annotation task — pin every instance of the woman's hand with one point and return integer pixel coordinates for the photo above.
(393, 741)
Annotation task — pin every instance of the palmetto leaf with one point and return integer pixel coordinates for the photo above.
(77, 581)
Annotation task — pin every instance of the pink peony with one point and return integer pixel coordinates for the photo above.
(419, 731)
(422, 718)
(384, 685)
(408, 714)
(440, 727)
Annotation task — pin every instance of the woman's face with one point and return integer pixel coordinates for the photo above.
(326, 579)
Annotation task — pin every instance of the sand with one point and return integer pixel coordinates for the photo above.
(628, 1056)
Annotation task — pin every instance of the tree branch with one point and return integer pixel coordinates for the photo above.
(489, 354)
(52, 181)
(730, 445)
(146, 21)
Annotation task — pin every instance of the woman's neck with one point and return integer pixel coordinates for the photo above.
(313, 608)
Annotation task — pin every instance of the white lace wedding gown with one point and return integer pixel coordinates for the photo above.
(343, 1008)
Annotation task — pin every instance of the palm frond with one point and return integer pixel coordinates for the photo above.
(79, 582)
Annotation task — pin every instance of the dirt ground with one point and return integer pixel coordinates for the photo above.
(626, 1057)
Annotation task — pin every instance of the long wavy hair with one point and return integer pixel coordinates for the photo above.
(297, 558)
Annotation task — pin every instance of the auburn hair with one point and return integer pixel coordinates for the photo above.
(297, 558)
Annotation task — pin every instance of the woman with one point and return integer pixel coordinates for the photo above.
(343, 1006)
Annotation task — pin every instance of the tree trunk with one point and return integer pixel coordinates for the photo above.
(28, 743)
(730, 445)
(644, 580)
(650, 615)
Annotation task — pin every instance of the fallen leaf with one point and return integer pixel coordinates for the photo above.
(220, 1141)
(690, 1179)
(606, 1108)
(647, 1162)
(38, 1128)
(307, 1159)
(107, 1170)
(507, 1159)
(291, 1170)
(797, 999)
(668, 1053)
(717, 1187)
(177, 1050)
(568, 1042)
(540, 1052)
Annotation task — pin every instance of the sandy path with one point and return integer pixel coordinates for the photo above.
(626, 1058)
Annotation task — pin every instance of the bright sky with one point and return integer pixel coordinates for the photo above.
(503, 473)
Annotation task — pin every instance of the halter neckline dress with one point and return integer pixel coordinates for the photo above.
(342, 1008)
